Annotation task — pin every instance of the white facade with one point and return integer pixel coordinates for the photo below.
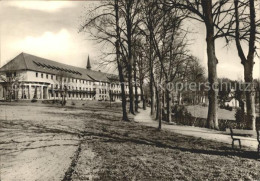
(40, 85)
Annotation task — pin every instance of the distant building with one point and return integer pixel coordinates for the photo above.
(40, 78)
(232, 102)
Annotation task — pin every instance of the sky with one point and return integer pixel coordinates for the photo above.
(50, 29)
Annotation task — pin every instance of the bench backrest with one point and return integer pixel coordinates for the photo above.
(231, 133)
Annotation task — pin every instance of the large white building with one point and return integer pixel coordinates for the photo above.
(38, 78)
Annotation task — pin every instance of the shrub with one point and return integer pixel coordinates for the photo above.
(34, 100)
(73, 103)
(240, 119)
(204, 105)
(181, 115)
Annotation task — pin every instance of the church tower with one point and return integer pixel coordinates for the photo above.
(88, 64)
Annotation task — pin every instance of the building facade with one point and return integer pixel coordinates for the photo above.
(30, 77)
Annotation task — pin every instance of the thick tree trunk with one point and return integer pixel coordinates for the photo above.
(212, 119)
(250, 97)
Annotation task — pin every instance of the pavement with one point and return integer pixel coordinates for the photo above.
(144, 118)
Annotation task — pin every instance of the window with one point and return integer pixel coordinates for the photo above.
(56, 77)
(51, 76)
(76, 80)
(80, 88)
(14, 74)
(36, 74)
(41, 75)
(47, 76)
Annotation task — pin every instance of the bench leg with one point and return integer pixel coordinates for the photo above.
(258, 151)
(239, 144)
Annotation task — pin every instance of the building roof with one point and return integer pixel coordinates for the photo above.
(26, 61)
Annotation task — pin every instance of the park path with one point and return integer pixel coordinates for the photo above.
(144, 118)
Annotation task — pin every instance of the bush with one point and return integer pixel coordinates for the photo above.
(204, 105)
(240, 119)
(73, 103)
(182, 116)
(34, 100)
(53, 101)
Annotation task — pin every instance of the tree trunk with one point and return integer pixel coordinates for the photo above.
(130, 55)
(142, 95)
(157, 103)
(151, 76)
(159, 110)
(250, 97)
(136, 93)
(130, 86)
(119, 66)
(212, 119)
(168, 104)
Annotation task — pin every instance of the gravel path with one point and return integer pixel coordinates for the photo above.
(220, 136)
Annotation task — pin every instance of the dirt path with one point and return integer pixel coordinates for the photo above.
(145, 118)
(39, 143)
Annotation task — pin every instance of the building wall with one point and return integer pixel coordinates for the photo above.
(47, 86)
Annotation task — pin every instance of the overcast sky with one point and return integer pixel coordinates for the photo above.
(51, 30)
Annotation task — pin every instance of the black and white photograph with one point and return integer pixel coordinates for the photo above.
(132, 90)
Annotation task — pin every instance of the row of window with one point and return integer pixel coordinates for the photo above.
(73, 95)
(59, 78)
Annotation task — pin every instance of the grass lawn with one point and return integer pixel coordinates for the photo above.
(202, 112)
(109, 149)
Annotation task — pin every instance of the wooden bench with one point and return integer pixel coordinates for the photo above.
(234, 139)
(244, 133)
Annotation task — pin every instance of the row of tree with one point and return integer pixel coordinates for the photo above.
(149, 43)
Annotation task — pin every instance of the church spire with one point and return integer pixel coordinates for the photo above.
(88, 64)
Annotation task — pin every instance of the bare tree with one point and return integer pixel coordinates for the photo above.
(216, 17)
(246, 29)
(105, 26)
(63, 83)
(11, 81)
